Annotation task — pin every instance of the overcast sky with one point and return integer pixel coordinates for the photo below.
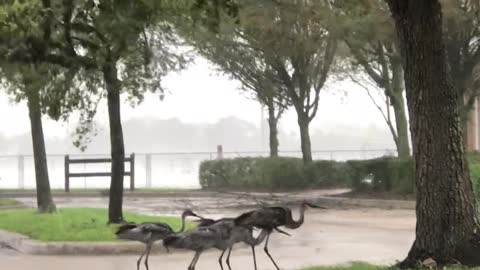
(199, 94)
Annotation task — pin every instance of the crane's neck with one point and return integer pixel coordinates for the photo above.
(294, 224)
(182, 228)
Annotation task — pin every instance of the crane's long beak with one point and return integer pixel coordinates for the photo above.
(198, 216)
(315, 206)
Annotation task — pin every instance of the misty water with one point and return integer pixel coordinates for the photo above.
(168, 170)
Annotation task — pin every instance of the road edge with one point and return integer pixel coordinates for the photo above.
(24, 244)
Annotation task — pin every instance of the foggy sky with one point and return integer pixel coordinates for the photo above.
(203, 109)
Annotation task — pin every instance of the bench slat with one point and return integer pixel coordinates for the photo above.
(94, 174)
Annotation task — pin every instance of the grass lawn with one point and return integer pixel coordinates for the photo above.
(353, 266)
(7, 202)
(366, 266)
(70, 224)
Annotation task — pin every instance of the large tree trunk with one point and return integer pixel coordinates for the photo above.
(446, 208)
(403, 146)
(115, 213)
(304, 123)
(44, 197)
(273, 126)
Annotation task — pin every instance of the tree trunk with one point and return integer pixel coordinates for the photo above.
(403, 146)
(115, 213)
(44, 197)
(272, 124)
(303, 123)
(446, 208)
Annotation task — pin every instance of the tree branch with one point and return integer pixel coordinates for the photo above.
(387, 86)
(361, 59)
(327, 63)
(285, 78)
(387, 120)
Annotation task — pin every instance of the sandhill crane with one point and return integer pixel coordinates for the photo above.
(204, 222)
(270, 218)
(222, 235)
(233, 234)
(149, 232)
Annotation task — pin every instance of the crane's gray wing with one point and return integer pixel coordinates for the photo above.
(132, 232)
(224, 227)
(159, 229)
(125, 227)
(265, 218)
(200, 239)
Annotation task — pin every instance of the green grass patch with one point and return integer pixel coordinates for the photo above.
(352, 266)
(71, 224)
(8, 202)
(366, 266)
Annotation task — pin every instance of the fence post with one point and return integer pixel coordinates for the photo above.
(132, 172)
(21, 172)
(219, 151)
(148, 170)
(67, 173)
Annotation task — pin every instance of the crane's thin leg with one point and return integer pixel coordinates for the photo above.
(194, 261)
(254, 258)
(140, 259)
(190, 267)
(283, 232)
(266, 251)
(220, 259)
(228, 258)
(149, 248)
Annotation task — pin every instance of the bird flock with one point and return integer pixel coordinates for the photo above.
(221, 234)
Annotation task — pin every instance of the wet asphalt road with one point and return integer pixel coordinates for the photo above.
(327, 237)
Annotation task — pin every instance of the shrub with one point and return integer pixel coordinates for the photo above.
(385, 174)
(280, 173)
(253, 173)
(326, 173)
(271, 173)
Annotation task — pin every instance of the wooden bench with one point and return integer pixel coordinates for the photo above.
(69, 161)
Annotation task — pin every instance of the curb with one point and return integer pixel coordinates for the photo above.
(26, 245)
(365, 203)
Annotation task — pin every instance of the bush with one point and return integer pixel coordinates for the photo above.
(253, 173)
(282, 173)
(385, 174)
(326, 173)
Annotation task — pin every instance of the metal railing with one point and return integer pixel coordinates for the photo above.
(151, 170)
